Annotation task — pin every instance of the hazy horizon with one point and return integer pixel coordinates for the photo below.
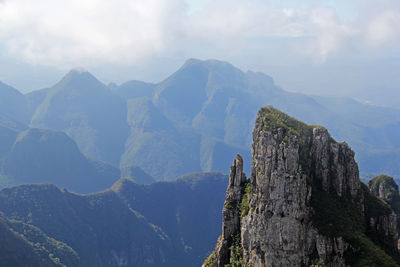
(334, 48)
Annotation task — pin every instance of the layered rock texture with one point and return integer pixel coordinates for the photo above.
(303, 205)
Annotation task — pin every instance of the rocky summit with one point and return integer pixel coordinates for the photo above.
(385, 188)
(304, 204)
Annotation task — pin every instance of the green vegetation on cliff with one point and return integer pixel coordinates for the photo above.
(338, 217)
(245, 205)
(384, 179)
(274, 119)
(210, 261)
(236, 251)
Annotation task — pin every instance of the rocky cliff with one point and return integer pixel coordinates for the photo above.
(385, 187)
(303, 205)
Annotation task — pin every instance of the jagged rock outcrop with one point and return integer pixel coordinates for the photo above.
(385, 187)
(231, 211)
(303, 205)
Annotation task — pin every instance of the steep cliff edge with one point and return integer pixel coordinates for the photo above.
(303, 205)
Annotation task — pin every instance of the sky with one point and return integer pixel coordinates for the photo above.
(325, 47)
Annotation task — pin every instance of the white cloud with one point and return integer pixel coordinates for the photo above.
(327, 33)
(235, 21)
(384, 28)
(76, 32)
(246, 19)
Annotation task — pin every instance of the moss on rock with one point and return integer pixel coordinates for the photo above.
(245, 205)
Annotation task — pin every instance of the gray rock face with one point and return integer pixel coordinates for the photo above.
(334, 165)
(279, 229)
(231, 211)
(384, 187)
(298, 169)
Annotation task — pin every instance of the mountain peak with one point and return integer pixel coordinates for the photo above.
(78, 72)
(385, 187)
(13, 104)
(208, 63)
(80, 78)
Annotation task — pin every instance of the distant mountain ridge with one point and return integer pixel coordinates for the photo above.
(129, 224)
(87, 111)
(13, 104)
(39, 156)
(196, 119)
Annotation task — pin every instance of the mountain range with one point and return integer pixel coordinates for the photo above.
(197, 119)
(126, 225)
(302, 205)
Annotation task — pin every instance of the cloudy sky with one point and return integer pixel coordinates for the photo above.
(329, 47)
